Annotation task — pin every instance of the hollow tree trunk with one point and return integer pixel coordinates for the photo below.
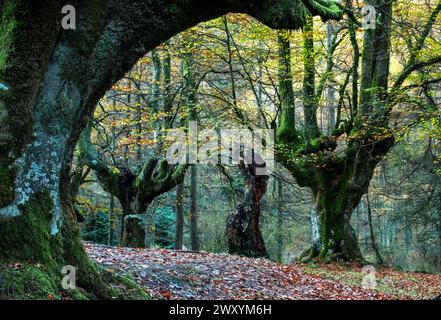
(131, 223)
(243, 232)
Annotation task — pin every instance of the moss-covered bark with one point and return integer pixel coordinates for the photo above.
(134, 234)
(135, 191)
(338, 167)
(27, 239)
(286, 91)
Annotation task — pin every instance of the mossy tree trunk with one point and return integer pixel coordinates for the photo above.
(135, 191)
(134, 232)
(339, 167)
(332, 179)
(338, 189)
(50, 81)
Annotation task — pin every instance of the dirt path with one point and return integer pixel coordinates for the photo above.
(185, 275)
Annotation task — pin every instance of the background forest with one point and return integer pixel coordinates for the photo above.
(234, 72)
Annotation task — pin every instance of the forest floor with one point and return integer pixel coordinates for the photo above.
(169, 274)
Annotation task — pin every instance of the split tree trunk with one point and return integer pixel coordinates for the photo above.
(243, 232)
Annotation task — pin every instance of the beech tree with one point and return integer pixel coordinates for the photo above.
(134, 190)
(339, 166)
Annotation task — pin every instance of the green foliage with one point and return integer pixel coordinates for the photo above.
(164, 221)
(95, 227)
(27, 237)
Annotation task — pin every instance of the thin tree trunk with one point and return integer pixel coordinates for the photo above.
(179, 235)
(408, 233)
(280, 229)
(121, 229)
(149, 227)
(371, 228)
(315, 230)
(189, 93)
(193, 209)
(287, 103)
(357, 225)
(311, 129)
(439, 238)
(111, 220)
(330, 97)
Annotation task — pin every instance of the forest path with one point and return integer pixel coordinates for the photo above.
(168, 274)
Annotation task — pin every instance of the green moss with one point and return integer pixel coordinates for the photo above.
(7, 26)
(315, 144)
(285, 14)
(7, 175)
(7, 181)
(124, 286)
(37, 282)
(325, 8)
(71, 252)
(28, 282)
(26, 237)
(286, 134)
